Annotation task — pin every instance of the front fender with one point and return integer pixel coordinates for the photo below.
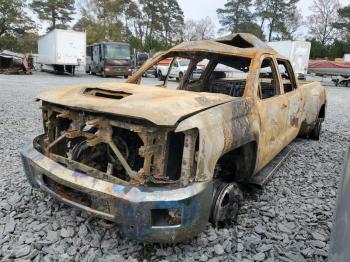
(221, 129)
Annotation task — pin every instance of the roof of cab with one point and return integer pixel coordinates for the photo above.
(240, 44)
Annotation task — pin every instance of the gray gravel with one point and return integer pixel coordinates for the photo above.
(290, 220)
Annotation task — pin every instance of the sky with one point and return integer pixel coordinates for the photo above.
(197, 9)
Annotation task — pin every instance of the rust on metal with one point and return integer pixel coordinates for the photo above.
(151, 158)
(15, 63)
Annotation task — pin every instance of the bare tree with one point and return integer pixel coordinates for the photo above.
(325, 14)
(205, 28)
(189, 31)
(199, 29)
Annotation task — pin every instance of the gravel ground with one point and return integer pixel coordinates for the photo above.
(290, 220)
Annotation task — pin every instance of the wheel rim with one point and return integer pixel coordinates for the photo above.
(225, 206)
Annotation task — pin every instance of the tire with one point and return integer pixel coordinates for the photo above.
(29, 173)
(125, 77)
(181, 75)
(316, 132)
(227, 198)
(160, 76)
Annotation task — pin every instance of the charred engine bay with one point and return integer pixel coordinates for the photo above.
(118, 151)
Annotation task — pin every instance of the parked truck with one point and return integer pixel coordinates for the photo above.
(62, 51)
(140, 58)
(178, 68)
(161, 163)
(298, 53)
(109, 59)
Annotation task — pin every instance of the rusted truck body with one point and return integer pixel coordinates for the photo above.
(160, 163)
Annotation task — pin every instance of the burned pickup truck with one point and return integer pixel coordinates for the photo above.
(163, 162)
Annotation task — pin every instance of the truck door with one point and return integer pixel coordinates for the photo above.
(272, 110)
(174, 71)
(293, 96)
(96, 58)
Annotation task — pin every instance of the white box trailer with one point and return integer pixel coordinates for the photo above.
(346, 57)
(62, 50)
(298, 52)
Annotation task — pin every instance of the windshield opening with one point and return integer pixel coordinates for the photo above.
(142, 57)
(117, 52)
(204, 72)
(184, 62)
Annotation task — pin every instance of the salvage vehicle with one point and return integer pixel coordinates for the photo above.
(161, 163)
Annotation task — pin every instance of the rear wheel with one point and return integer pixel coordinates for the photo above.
(160, 76)
(181, 75)
(125, 77)
(316, 132)
(226, 201)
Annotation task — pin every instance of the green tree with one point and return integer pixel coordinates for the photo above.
(253, 28)
(262, 8)
(338, 49)
(13, 19)
(318, 50)
(343, 23)
(134, 21)
(279, 14)
(153, 24)
(280, 17)
(234, 14)
(102, 20)
(57, 12)
(152, 12)
(145, 24)
(172, 19)
(16, 28)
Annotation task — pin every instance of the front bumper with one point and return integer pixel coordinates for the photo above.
(134, 209)
(117, 71)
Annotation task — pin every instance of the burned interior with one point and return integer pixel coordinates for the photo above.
(210, 72)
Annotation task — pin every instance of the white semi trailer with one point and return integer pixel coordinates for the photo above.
(62, 51)
(298, 52)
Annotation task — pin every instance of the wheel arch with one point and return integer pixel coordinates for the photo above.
(239, 163)
(322, 112)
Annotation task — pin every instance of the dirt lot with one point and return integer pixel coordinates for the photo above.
(290, 220)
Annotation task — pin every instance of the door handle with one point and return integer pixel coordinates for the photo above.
(284, 106)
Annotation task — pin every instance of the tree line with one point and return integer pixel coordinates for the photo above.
(152, 25)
